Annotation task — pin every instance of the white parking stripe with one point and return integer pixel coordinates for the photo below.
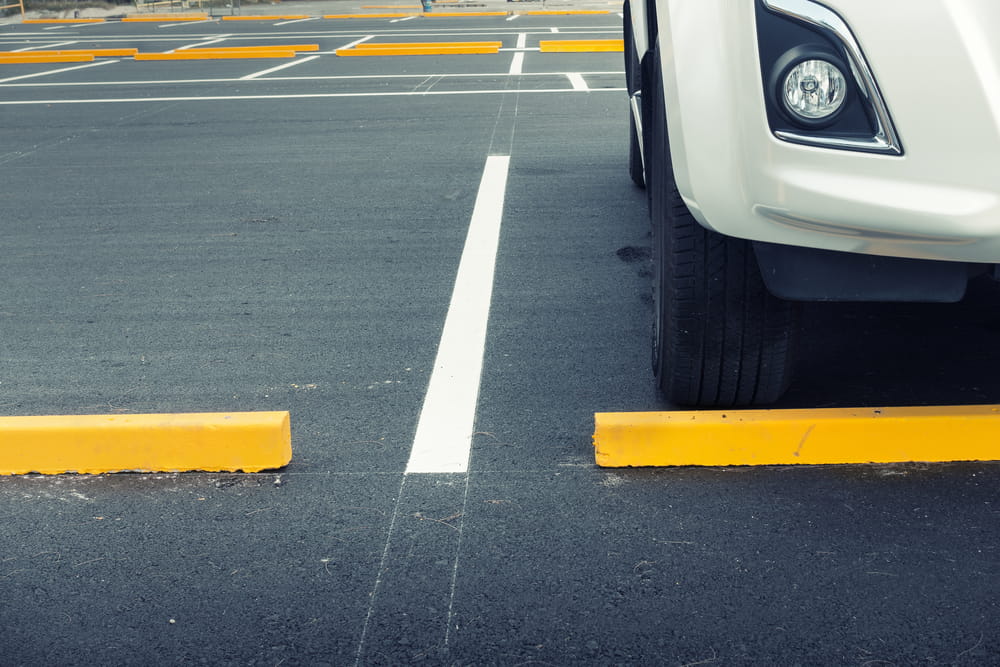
(517, 64)
(206, 42)
(180, 23)
(304, 96)
(311, 18)
(57, 71)
(443, 439)
(577, 81)
(43, 47)
(342, 77)
(354, 43)
(297, 61)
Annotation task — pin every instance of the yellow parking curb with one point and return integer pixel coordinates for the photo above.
(288, 17)
(425, 45)
(371, 16)
(165, 17)
(581, 45)
(419, 51)
(561, 12)
(789, 437)
(190, 54)
(438, 15)
(97, 53)
(91, 444)
(49, 58)
(63, 21)
(247, 49)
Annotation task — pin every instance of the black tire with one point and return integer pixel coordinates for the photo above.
(632, 84)
(720, 339)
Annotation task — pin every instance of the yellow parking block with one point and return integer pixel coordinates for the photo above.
(563, 12)
(426, 45)
(286, 17)
(439, 15)
(420, 51)
(581, 45)
(216, 55)
(29, 58)
(91, 444)
(789, 437)
(63, 21)
(98, 53)
(395, 15)
(138, 18)
(244, 49)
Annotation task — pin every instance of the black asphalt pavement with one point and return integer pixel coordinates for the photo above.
(178, 238)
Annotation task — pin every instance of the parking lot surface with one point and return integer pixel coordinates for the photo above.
(250, 235)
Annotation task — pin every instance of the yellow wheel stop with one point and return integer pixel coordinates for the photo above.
(90, 444)
(789, 437)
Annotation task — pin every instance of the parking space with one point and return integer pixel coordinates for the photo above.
(219, 235)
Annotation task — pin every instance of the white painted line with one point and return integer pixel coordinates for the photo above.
(311, 18)
(304, 96)
(408, 18)
(443, 439)
(513, 17)
(57, 71)
(43, 47)
(198, 45)
(577, 81)
(73, 25)
(344, 77)
(553, 29)
(175, 24)
(522, 40)
(517, 64)
(354, 43)
(298, 61)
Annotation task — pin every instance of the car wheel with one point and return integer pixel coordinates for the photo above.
(632, 82)
(720, 339)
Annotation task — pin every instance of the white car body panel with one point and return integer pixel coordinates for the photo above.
(937, 64)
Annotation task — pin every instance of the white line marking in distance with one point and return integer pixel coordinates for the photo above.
(312, 18)
(517, 64)
(351, 45)
(298, 61)
(305, 96)
(43, 47)
(577, 81)
(198, 45)
(443, 438)
(346, 77)
(57, 71)
(180, 23)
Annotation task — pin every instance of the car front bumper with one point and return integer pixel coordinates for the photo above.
(939, 72)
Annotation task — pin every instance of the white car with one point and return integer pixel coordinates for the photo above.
(797, 150)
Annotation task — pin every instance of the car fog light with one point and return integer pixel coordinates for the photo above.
(814, 90)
